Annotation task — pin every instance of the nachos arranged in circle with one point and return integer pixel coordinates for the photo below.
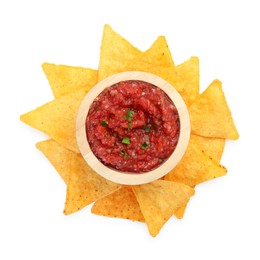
(153, 203)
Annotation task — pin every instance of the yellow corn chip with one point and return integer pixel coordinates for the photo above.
(84, 185)
(189, 71)
(118, 55)
(57, 155)
(120, 204)
(114, 53)
(195, 167)
(58, 119)
(213, 147)
(157, 60)
(158, 201)
(67, 79)
(210, 115)
(158, 54)
(167, 73)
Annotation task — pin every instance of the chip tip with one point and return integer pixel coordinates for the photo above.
(195, 59)
(107, 27)
(22, 118)
(161, 37)
(234, 137)
(45, 65)
(216, 82)
(39, 144)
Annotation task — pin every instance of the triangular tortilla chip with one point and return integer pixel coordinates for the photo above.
(210, 115)
(189, 71)
(58, 119)
(84, 185)
(157, 60)
(195, 167)
(158, 54)
(115, 52)
(118, 55)
(158, 201)
(67, 79)
(120, 204)
(58, 156)
(213, 147)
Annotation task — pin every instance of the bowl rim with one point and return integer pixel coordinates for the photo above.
(124, 177)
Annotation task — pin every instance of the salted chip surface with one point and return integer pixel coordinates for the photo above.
(159, 200)
(195, 167)
(115, 51)
(84, 185)
(120, 204)
(65, 79)
(213, 147)
(58, 156)
(189, 72)
(57, 119)
(210, 115)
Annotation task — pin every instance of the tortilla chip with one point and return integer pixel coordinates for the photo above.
(67, 79)
(84, 185)
(120, 204)
(58, 156)
(213, 147)
(210, 115)
(115, 52)
(158, 54)
(156, 60)
(158, 201)
(189, 71)
(195, 167)
(167, 73)
(118, 55)
(58, 119)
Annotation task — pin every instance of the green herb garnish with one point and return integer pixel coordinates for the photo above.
(104, 123)
(126, 140)
(129, 125)
(129, 115)
(124, 153)
(144, 145)
(147, 128)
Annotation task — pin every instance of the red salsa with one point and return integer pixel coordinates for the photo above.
(132, 126)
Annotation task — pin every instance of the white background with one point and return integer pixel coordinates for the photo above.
(222, 220)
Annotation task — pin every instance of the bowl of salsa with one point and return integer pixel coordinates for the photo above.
(133, 127)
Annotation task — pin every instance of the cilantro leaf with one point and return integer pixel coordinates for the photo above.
(129, 115)
(124, 153)
(126, 140)
(104, 123)
(144, 145)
